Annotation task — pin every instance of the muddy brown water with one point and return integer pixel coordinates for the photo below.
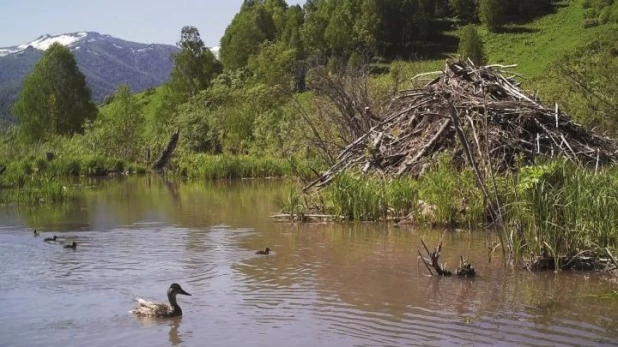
(327, 285)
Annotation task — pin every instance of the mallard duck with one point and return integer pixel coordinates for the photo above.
(73, 245)
(51, 239)
(154, 309)
(266, 251)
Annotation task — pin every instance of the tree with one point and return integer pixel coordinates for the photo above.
(273, 66)
(194, 65)
(366, 28)
(491, 13)
(471, 45)
(55, 99)
(118, 132)
(250, 27)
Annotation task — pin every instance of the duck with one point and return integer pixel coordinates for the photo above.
(35, 233)
(73, 245)
(51, 239)
(266, 251)
(155, 309)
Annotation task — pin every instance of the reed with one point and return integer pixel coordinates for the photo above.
(225, 166)
(555, 208)
(34, 191)
(564, 209)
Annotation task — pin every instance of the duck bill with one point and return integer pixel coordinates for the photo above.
(184, 293)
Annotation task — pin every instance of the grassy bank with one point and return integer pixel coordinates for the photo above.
(557, 207)
(38, 180)
(225, 166)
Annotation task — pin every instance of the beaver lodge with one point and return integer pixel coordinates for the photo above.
(478, 115)
(481, 118)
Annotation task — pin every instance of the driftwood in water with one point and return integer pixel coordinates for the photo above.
(167, 152)
(432, 261)
(477, 116)
(465, 269)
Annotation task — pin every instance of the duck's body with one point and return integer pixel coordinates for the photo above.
(155, 309)
(73, 245)
(265, 252)
(51, 239)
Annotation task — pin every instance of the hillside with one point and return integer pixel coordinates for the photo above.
(106, 61)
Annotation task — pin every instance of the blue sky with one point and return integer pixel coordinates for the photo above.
(147, 21)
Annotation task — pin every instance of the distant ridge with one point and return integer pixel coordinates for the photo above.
(106, 61)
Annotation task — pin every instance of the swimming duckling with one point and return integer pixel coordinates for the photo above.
(154, 309)
(266, 251)
(73, 245)
(51, 239)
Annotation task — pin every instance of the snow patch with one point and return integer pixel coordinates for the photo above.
(44, 42)
(115, 45)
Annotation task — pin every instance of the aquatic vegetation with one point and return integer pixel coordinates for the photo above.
(225, 166)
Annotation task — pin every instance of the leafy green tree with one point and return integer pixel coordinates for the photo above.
(491, 13)
(291, 36)
(339, 32)
(367, 26)
(242, 38)
(118, 131)
(273, 66)
(194, 65)
(471, 45)
(277, 10)
(317, 18)
(55, 99)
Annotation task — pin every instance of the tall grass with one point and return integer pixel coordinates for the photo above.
(556, 208)
(225, 166)
(564, 209)
(33, 191)
(37, 180)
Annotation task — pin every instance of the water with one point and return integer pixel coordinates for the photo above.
(326, 284)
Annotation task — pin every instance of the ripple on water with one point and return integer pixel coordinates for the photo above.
(321, 287)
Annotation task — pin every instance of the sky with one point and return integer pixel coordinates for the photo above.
(145, 21)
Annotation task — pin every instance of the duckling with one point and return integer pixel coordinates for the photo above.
(73, 245)
(266, 251)
(154, 309)
(51, 239)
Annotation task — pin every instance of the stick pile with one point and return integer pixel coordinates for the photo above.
(499, 122)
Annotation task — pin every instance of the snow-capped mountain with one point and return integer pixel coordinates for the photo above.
(42, 43)
(106, 61)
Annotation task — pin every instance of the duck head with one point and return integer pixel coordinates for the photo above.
(175, 289)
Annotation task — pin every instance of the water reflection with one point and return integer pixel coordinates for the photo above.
(333, 284)
(173, 323)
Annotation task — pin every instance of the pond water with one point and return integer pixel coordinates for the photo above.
(325, 284)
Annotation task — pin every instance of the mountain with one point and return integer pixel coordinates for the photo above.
(106, 61)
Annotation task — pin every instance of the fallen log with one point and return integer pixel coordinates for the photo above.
(167, 152)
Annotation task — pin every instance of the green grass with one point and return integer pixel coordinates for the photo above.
(225, 166)
(557, 207)
(533, 46)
